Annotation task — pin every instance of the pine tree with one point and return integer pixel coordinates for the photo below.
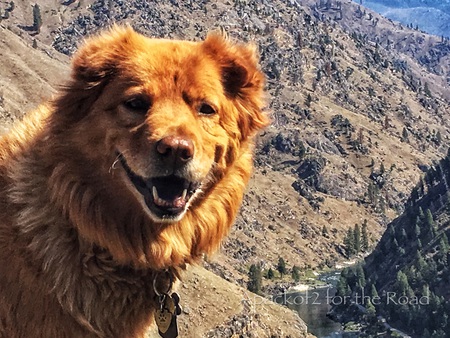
(360, 277)
(402, 237)
(370, 309)
(417, 230)
(372, 193)
(438, 167)
(386, 124)
(270, 274)
(402, 284)
(425, 290)
(395, 247)
(357, 240)
(325, 231)
(254, 279)
(395, 242)
(419, 244)
(391, 231)
(342, 287)
(414, 195)
(319, 75)
(37, 19)
(428, 229)
(420, 263)
(438, 137)
(404, 134)
(373, 292)
(361, 136)
(429, 219)
(308, 100)
(443, 252)
(364, 237)
(427, 90)
(428, 178)
(382, 169)
(421, 188)
(349, 243)
(296, 273)
(444, 246)
(281, 267)
(421, 214)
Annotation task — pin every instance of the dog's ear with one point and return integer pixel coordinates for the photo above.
(92, 67)
(98, 58)
(238, 62)
(242, 80)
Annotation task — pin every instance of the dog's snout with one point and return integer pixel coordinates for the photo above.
(176, 149)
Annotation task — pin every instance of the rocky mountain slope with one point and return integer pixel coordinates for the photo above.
(406, 277)
(401, 42)
(19, 61)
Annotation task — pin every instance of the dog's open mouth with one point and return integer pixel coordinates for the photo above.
(166, 197)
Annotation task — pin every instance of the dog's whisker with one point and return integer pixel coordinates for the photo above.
(113, 166)
(135, 129)
(116, 160)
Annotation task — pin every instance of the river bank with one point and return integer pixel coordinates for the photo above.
(312, 297)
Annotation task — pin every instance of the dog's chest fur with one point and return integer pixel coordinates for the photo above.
(79, 279)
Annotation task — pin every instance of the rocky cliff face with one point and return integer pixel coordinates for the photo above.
(430, 52)
(406, 277)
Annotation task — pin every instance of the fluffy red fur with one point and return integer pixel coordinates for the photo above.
(137, 166)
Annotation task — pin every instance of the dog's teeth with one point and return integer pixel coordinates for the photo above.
(155, 193)
(158, 201)
(183, 196)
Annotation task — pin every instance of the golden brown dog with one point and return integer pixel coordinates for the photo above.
(138, 166)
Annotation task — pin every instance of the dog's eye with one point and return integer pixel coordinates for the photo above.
(206, 109)
(138, 105)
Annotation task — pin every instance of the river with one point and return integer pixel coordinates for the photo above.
(313, 304)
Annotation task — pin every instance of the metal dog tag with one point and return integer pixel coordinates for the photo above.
(176, 300)
(166, 316)
(163, 318)
(172, 331)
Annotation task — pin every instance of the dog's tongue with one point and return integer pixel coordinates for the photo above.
(177, 202)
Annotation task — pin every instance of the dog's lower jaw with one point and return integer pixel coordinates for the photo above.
(166, 220)
(163, 210)
(157, 221)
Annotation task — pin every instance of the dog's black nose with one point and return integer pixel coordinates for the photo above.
(176, 149)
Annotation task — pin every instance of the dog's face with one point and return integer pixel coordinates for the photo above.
(165, 120)
(163, 112)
